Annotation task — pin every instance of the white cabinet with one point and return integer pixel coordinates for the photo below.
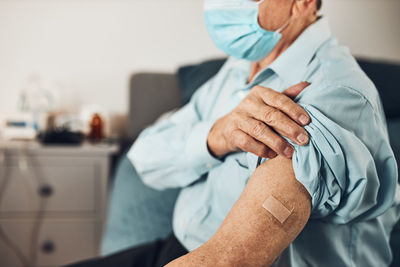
(64, 186)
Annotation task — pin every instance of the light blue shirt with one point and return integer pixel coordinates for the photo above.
(348, 167)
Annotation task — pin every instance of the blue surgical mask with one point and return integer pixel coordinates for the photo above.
(234, 28)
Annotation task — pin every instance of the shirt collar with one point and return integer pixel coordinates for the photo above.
(291, 65)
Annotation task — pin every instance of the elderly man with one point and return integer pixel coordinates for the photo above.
(297, 177)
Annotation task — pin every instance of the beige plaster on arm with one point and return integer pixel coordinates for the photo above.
(251, 235)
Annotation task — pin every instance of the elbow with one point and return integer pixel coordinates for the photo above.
(148, 177)
(152, 182)
(161, 179)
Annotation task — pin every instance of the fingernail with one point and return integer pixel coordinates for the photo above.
(303, 119)
(302, 138)
(288, 151)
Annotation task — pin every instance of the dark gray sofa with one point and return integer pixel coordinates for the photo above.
(169, 91)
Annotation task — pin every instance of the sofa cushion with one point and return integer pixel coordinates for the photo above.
(137, 214)
(386, 78)
(151, 94)
(394, 133)
(395, 244)
(191, 77)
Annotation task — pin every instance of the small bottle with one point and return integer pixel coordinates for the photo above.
(96, 128)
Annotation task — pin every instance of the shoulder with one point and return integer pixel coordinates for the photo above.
(337, 68)
(339, 87)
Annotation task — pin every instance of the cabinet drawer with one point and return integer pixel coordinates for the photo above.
(70, 188)
(59, 242)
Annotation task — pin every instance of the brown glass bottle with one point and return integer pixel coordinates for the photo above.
(96, 128)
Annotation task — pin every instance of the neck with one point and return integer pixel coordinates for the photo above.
(289, 35)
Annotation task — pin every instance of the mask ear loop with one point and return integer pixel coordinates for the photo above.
(281, 29)
(287, 23)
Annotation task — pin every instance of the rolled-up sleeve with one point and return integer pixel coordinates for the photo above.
(348, 167)
(344, 177)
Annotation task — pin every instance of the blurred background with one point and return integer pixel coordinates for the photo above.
(84, 51)
(89, 75)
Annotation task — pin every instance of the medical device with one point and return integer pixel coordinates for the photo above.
(20, 126)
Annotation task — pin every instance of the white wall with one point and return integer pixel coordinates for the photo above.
(371, 28)
(87, 49)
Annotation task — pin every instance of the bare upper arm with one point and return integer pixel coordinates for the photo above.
(250, 235)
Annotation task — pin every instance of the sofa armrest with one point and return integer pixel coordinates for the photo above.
(151, 94)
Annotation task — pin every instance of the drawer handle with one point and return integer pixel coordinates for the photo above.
(46, 191)
(48, 247)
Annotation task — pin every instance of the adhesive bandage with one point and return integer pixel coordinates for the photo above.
(277, 209)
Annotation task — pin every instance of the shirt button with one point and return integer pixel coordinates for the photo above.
(181, 224)
(209, 165)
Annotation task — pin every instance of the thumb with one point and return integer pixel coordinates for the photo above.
(295, 90)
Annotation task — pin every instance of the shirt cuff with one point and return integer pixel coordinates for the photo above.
(197, 152)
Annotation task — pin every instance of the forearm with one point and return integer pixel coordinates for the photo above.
(250, 235)
(172, 155)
